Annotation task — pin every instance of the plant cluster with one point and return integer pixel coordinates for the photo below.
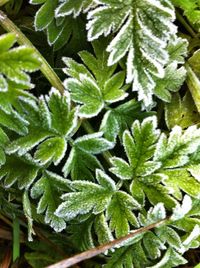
(116, 145)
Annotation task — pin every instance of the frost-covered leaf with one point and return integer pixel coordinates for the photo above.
(102, 229)
(15, 62)
(85, 240)
(28, 215)
(142, 31)
(82, 161)
(171, 82)
(139, 147)
(10, 99)
(153, 245)
(81, 165)
(93, 143)
(87, 93)
(69, 7)
(181, 180)
(181, 112)
(181, 210)
(170, 236)
(175, 150)
(120, 214)
(60, 30)
(94, 85)
(117, 120)
(87, 197)
(13, 121)
(125, 257)
(45, 14)
(49, 188)
(170, 259)
(177, 49)
(21, 170)
(51, 122)
(51, 150)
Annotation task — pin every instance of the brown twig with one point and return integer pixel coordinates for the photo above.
(101, 249)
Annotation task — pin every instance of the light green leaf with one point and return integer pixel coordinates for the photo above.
(181, 112)
(181, 180)
(175, 150)
(15, 62)
(120, 214)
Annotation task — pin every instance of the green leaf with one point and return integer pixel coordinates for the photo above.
(10, 99)
(153, 245)
(181, 180)
(190, 8)
(125, 257)
(170, 259)
(23, 170)
(93, 85)
(117, 120)
(69, 7)
(170, 236)
(172, 81)
(178, 49)
(137, 36)
(175, 150)
(81, 165)
(85, 240)
(87, 197)
(15, 62)
(102, 229)
(120, 214)
(51, 123)
(181, 112)
(85, 92)
(3, 140)
(51, 150)
(93, 143)
(81, 161)
(48, 188)
(139, 148)
(45, 14)
(28, 214)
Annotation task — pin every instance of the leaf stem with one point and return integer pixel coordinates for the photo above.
(16, 239)
(102, 248)
(185, 24)
(46, 69)
(193, 85)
